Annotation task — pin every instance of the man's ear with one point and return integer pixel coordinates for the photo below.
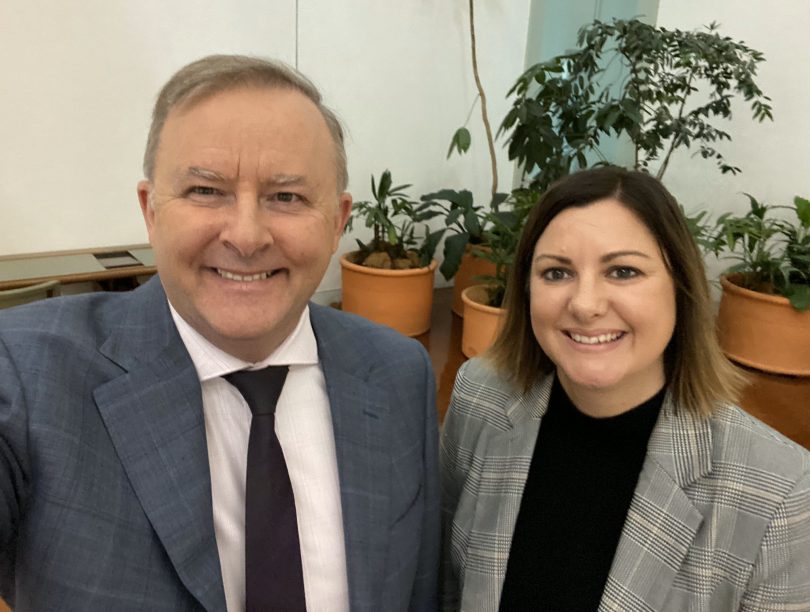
(344, 210)
(147, 210)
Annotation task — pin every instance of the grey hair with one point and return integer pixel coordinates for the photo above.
(217, 73)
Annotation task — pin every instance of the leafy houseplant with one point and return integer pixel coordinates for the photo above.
(390, 279)
(764, 316)
(465, 221)
(772, 254)
(504, 228)
(393, 217)
(483, 312)
(563, 108)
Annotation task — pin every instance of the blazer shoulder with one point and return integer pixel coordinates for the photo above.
(481, 394)
(760, 468)
(740, 437)
(340, 334)
(78, 319)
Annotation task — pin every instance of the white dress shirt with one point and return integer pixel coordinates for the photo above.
(304, 430)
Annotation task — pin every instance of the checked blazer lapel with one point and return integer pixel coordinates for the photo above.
(662, 521)
(501, 483)
(153, 413)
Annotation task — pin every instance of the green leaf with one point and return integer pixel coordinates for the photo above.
(460, 142)
(803, 210)
(453, 216)
(453, 250)
(384, 186)
(432, 240)
(799, 296)
(471, 222)
(392, 235)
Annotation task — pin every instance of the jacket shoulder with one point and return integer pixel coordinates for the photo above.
(768, 458)
(481, 396)
(83, 319)
(342, 333)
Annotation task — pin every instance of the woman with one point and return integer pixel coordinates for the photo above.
(594, 459)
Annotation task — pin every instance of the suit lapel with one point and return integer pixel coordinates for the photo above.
(153, 413)
(662, 521)
(361, 423)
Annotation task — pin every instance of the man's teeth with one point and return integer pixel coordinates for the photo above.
(601, 339)
(247, 278)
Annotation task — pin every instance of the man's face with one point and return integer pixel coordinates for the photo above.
(244, 215)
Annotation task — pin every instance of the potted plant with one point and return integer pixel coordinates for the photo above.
(674, 87)
(390, 278)
(483, 313)
(764, 316)
(466, 223)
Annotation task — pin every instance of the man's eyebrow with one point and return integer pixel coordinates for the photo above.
(286, 179)
(205, 173)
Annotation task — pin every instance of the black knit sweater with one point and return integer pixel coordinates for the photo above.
(581, 481)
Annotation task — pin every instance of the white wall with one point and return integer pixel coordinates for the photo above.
(80, 80)
(774, 156)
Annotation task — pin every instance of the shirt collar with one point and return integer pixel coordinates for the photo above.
(299, 348)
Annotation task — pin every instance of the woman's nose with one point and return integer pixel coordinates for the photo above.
(588, 300)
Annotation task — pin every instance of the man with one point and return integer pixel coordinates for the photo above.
(123, 436)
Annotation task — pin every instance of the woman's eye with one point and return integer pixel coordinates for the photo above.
(623, 272)
(555, 274)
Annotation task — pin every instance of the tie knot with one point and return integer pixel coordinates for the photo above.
(260, 388)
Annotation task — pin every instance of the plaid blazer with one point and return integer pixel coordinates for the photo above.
(720, 518)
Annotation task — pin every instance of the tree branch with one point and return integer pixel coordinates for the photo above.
(482, 95)
(665, 163)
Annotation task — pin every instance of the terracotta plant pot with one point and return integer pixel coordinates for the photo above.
(401, 299)
(763, 331)
(471, 266)
(481, 322)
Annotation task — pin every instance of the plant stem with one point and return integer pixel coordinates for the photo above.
(482, 95)
(672, 144)
(634, 80)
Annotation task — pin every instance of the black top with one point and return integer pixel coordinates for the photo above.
(580, 484)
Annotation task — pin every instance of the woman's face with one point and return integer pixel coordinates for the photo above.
(602, 304)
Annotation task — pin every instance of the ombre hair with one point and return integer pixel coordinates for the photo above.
(218, 73)
(698, 375)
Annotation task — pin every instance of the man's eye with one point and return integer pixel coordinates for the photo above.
(286, 196)
(555, 274)
(623, 272)
(202, 190)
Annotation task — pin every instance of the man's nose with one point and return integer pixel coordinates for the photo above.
(589, 299)
(247, 230)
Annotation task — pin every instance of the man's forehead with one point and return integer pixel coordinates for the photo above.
(273, 133)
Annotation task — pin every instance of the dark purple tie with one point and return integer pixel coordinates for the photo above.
(274, 579)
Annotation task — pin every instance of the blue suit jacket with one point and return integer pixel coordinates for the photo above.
(105, 492)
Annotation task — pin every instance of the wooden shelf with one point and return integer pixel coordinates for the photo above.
(76, 266)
